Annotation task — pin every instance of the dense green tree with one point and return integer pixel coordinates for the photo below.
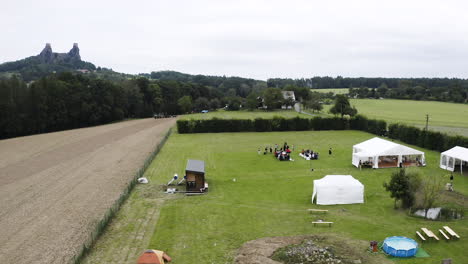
(215, 103)
(402, 187)
(272, 98)
(185, 104)
(201, 103)
(252, 101)
(342, 106)
(234, 103)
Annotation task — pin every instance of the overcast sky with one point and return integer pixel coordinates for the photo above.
(257, 39)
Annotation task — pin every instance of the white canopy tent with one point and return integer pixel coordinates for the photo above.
(453, 157)
(338, 189)
(378, 153)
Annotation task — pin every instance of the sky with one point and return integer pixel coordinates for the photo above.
(255, 39)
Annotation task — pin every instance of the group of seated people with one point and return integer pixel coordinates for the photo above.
(283, 155)
(309, 154)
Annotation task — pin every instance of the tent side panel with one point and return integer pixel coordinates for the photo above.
(355, 160)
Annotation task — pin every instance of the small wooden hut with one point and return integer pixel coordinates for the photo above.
(195, 172)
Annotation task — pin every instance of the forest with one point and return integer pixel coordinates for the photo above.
(436, 89)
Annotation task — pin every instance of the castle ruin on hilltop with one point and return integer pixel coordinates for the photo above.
(48, 56)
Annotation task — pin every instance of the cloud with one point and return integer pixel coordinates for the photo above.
(259, 39)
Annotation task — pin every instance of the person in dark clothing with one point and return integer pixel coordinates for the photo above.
(330, 151)
(271, 150)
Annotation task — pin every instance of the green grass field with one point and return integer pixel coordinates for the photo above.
(332, 90)
(268, 198)
(450, 118)
(245, 114)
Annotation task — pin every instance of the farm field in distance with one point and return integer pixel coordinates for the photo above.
(332, 90)
(267, 198)
(445, 117)
(55, 187)
(245, 114)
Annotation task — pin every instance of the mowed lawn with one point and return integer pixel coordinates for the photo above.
(245, 114)
(253, 196)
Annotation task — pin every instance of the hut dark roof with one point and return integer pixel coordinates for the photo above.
(196, 166)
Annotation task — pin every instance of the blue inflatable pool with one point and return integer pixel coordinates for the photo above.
(399, 246)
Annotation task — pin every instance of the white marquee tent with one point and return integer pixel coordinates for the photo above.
(378, 153)
(453, 157)
(338, 189)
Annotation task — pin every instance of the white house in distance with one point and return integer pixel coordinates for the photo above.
(456, 156)
(381, 153)
(286, 95)
(338, 189)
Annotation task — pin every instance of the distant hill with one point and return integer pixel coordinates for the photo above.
(47, 62)
(225, 85)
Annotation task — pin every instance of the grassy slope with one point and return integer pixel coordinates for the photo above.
(269, 197)
(246, 114)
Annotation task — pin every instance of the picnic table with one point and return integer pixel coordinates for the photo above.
(420, 236)
(429, 233)
(451, 232)
(317, 210)
(321, 222)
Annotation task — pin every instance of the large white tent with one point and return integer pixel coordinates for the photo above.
(453, 157)
(338, 189)
(381, 153)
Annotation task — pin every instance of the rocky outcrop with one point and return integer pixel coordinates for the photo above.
(50, 57)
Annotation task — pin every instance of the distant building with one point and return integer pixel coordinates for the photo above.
(83, 71)
(288, 95)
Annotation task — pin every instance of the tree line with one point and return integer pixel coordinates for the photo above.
(440, 89)
(66, 101)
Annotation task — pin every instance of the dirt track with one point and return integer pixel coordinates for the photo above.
(55, 187)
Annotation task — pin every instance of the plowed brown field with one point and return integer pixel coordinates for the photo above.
(55, 187)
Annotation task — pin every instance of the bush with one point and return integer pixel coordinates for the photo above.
(426, 139)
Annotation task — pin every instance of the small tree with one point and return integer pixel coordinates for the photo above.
(314, 104)
(252, 102)
(288, 102)
(431, 187)
(342, 106)
(402, 186)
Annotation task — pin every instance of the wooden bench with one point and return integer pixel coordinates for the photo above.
(442, 232)
(429, 233)
(329, 223)
(420, 236)
(451, 232)
(317, 210)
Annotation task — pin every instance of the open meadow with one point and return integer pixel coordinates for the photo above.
(450, 118)
(254, 196)
(332, 90)
(55, 187)
(245, 114)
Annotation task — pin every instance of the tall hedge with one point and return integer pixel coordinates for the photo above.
(277, 123)
(426, 139)
(408, 134)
